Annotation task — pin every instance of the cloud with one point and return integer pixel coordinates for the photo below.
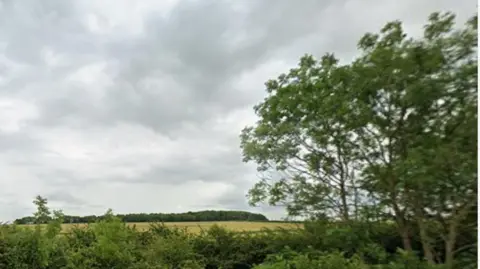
(137, 105)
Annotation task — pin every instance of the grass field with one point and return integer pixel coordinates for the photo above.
(196, 227)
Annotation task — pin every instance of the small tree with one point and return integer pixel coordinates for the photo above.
(42, 215)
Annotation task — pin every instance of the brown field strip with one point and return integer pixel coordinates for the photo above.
(196, 227)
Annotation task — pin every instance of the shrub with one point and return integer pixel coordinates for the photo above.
(110, 243)
(174, 251)
(334, 260)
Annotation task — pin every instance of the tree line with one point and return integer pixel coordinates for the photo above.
(206, 215)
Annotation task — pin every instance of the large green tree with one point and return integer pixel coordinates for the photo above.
(301, 139)
(441, 168)
(417, 101)
(398, 124)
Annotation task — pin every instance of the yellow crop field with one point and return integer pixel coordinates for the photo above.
(196, 227)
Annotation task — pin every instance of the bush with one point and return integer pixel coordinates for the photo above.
(174, 251)
(334, 260)
(110, 243)
(337, 260)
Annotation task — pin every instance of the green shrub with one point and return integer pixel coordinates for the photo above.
(110, 243)
(107, 244)
(174, 251)
(334, 260)
(337, 260)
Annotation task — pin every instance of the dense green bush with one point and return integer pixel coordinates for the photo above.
(337, 260)
(110, 243)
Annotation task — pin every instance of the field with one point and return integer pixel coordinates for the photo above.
(196, 227)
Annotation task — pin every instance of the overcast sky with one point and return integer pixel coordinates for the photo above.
(137, 105)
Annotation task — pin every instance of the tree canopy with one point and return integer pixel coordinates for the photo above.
(392, 133)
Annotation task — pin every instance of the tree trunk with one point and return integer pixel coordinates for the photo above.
(402, 228)
(424, 237)
(450, 241)
(451, 238)
(355, 201)
(343, 194)
(407, 244)
(449, 248)
(426, 246)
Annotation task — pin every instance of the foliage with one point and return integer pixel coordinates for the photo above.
(391, 134)
(42, 215)
(112, 244)
(336, 260)
(327, 261)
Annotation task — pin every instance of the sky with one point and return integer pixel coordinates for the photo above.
(138, 105)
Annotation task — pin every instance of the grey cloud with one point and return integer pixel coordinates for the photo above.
(64, 197)
(177, 73)
(64, 179)
(193, 51)
(231, 200)
(222, 167)
(28, 26)
(18, 142)
(235, 200)
(71, 204)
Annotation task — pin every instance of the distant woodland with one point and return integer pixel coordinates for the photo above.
(208, 215)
